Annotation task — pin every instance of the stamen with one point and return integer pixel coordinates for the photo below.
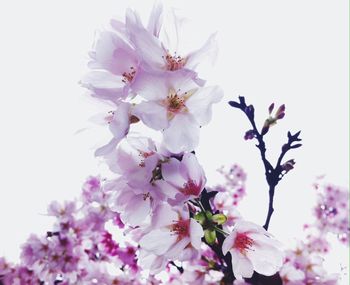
(181, 228)
(129, 76)
(174, 62)
(243, 242)
(175, 103)
(190, 188)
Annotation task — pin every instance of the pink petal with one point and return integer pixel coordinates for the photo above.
(114, 54)
(150, 86)
(171, 173)
(136, 211)
(148, 47)
(191, 169)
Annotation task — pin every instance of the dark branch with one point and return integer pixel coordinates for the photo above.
(273, 174)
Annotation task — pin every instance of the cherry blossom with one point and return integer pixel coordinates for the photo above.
(176, 105)
(185, 177)
(114, 64)
(172, 231)
(161, 50)
(252, 249)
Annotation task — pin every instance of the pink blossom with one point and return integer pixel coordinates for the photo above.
(162, 52)
(114, 65)
(252, 249)
(177, 106)
(172, 231)
(185, 177)
(119, 125)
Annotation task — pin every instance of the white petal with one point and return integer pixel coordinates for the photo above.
(267, 260)
(241, 265)
(154, 263)
(199, 104)
(155, 19)
(228, 243)
(182, 134)
(136, 211)
(120, 124)
(177, 248)
(158, 241)
(108, 148)
(163, 216)
(152, 115)
(196, 233)
(207, 51)
(102, 79)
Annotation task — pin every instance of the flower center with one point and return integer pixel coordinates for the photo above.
(174, 62)
(143, 156)
(181, 228)
(175, 102)
(191, 188)
(243, 242)
(129, 76)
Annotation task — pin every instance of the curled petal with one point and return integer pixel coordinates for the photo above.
(199, 104)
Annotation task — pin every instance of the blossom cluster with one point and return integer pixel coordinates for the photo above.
(158, 185)
(155, 220)
(332, 211)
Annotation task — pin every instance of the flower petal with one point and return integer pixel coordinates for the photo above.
(182, 134)
(148, 47)
(152, 115)
(158, 241)
(108, 148)
(199, 104)
(241, 265)
(155, 19)
(228, 243)
(171, 173)
(150, 86)
(196, 233)
(191, 169)
(136, 211)
(208, 51)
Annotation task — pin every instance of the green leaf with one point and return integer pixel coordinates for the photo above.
(200, 217)
(219, 219)
(210, 236)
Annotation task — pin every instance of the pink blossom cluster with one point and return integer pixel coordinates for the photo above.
(304, 265)
(155, 220)
(332, 211)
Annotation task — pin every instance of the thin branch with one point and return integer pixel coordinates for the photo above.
(273, 174)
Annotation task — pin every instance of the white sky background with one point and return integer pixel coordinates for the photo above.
(292, 52)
